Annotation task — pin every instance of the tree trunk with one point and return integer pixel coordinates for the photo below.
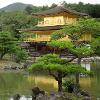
(77, 78)
(58, 78)
(77, 74)
(59, 81)
(60, 85)
(79, 60)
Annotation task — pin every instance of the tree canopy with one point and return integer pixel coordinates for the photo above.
(56, 67)
(95, 45)
(84, 25)
(10, 45)
(79, 49)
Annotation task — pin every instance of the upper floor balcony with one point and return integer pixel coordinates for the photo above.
(56, 21)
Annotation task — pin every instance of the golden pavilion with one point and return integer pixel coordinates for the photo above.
(52, 20)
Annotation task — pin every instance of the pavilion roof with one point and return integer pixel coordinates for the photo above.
(57, 10)
(42, 28)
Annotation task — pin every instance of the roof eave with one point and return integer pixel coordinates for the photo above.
(44, 15)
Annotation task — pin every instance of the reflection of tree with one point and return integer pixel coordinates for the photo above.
(44, 82)
(2, 79)
(13, 83)
(95, 81)
(97, 70)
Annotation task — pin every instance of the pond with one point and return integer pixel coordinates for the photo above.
(12, 82)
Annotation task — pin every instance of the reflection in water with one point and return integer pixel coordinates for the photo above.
(85, 82)
(23, 98)
(92, 84)
(12, 83)
(46, 83)
(18, 83)
(86, 65)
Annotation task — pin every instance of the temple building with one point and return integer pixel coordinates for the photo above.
(52, 20)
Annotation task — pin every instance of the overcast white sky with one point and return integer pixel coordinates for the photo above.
(45, 2)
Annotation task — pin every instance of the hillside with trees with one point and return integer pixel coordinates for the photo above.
(15, 7)
(91, 9)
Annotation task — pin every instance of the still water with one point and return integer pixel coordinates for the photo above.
(12, 83)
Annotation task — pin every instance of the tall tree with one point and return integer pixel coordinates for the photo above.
(11, 21)
(95, 45)
(7, 42)
(10, 45)
(90, 9)
(53, 5)
(74, 46)
(56, 67)
(29, 9)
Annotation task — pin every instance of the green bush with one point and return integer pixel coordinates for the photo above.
(67, 84)
(70, 86)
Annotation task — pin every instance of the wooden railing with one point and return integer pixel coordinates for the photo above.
(40, 39)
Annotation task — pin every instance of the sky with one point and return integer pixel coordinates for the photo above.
(4, 3)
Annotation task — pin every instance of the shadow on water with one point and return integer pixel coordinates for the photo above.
(12, 83)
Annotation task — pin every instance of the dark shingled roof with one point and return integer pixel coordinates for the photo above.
(58, 9)
(43, 28)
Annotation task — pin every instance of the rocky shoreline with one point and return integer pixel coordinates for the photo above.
(89, 59)
(38, 94)
(10, 65)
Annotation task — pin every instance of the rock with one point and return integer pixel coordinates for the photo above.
(78, 95)
(98, 98)
(52, 94)
(35, 92)
(59, 96)
(42, 92)
(86, 98)
(40, 97)
(7, 67)
(14, 67)
(84, 93)
(16, 97)
(67, 98)
(25, 65)
(52, 97)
